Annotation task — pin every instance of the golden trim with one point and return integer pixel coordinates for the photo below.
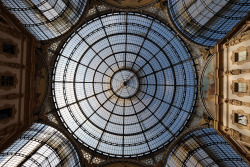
(240, 49)
(238, 39)
(240, 80)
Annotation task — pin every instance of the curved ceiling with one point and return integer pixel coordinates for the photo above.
(46, 19)
(207, 22)
(124, 84)
(204, 147)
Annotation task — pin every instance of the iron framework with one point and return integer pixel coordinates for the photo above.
(133, 124)
(204, 147)
(46, 19)
(41, 145)
(206, 22)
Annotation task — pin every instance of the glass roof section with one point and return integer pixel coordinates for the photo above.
(124, 84)
(41, 145)
(204, 147)
(207, 21)
(46, 19)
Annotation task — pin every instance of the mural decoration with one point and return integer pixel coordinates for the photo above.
(208, 86)
(41, 81)
(129, 3)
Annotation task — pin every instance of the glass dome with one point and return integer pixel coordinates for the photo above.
(41, 145)
(206, 22)
(204, 147)
(124, 84)
(46, 19)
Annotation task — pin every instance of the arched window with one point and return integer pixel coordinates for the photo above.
(204, 147)
(46, 19)
(41, 145)
(207, 21)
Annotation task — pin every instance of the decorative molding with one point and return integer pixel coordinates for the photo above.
(11, 96)
(234, 102)
(240, 94)
(11, 65)
(13, 113)
(8, 87)
(237, 102)
(241, 126)
(207, 52)
(240, 49)
(238, 39)
(237, 135)
(237, 71)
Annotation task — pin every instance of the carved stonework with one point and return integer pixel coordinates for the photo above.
(241, 112)
(238, 39)
(238, 71)
(234, 102)
(237, 135)
(11, 96)
(52, 118)
(237, 102)
(207, 52)
(11, 65)
(13, 113)
(240, 49)
(240, 94)
(8, 87)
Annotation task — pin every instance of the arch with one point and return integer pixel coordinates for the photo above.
(41, 145)
(206, 22)
(46, 19)
(203, 147)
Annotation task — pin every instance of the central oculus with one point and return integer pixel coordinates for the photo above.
(124, 83)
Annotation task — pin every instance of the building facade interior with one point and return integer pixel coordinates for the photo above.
(125, 83)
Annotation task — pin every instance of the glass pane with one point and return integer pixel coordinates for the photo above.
(204, 147)
(124, 84)
(207, 21)
(242, 87)
(7, 80)
(41, 145)
(8, 48)
(46, 19)
(242, 55)
(241, 119)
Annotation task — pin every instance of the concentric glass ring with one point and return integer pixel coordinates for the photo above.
(124, 84)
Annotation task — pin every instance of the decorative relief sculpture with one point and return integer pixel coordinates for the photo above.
(237, 71)
(207, 52)
(237, 102)
(238, 39)
(12, 65)
(11, 96)
(234, 102)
